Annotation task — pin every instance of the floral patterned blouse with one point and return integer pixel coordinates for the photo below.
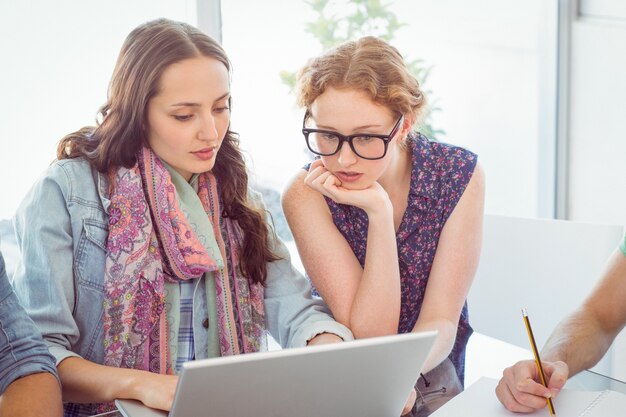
(439, 175)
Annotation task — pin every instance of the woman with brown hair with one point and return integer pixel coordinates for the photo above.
(142, 245)
(387, 222)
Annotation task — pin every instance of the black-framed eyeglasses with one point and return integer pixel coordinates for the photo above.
(364, 145)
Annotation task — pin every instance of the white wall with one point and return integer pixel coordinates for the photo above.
(597, 156)
(56, 61)
(597, 170)
(489, 74)
(607, 9)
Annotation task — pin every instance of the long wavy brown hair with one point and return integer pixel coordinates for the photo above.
(122, 123)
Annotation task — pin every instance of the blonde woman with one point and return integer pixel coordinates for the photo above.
(387, 222)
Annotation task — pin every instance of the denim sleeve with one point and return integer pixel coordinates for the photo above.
(22, 350)
(44, 278)
(292, 314)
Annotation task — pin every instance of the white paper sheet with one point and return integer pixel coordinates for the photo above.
(480, 400)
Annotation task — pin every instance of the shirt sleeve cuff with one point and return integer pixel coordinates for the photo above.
(60, 353)
(325, 326)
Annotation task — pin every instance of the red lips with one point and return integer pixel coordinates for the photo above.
(205, 154)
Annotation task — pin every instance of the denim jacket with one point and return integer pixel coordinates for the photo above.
(22, 351)
(62, 227)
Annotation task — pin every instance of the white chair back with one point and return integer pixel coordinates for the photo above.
(547, 266)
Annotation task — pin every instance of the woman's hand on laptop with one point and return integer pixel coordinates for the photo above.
(324, 338)
(156, 390)
(410, 402)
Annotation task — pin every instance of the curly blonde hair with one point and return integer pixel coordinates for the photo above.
(368, 64)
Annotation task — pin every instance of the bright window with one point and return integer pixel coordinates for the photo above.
(492, 76)
(57, 59)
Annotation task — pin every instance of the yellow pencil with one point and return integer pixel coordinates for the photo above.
(542, 376)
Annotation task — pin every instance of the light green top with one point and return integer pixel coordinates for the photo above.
(623, 246)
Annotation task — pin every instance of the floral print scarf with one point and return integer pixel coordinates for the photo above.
(150, 242)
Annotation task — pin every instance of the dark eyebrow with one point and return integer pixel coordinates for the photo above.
(191, 104)
(185, 104)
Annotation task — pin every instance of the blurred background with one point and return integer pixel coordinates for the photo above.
(536, 88)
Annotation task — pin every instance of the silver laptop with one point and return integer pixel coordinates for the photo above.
(367, 377)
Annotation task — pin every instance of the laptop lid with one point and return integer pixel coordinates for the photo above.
(366, 377)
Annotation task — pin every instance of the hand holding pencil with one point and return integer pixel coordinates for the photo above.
(520, 389)
(542, 375)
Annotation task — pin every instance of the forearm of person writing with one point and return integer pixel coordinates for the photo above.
(577, 343)
(584, 337)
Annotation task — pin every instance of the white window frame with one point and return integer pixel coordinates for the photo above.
(210, 18)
